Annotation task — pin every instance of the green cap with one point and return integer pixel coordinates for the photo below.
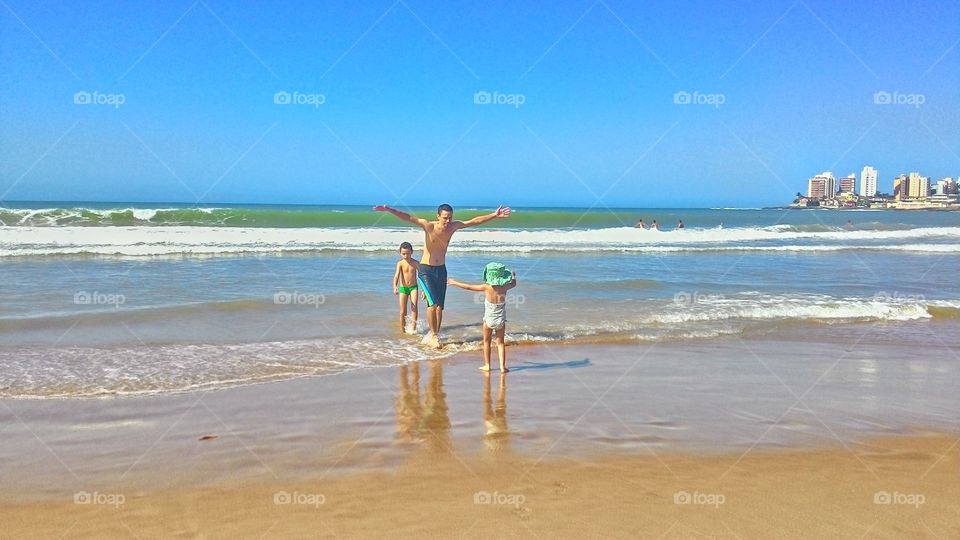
(497, 274)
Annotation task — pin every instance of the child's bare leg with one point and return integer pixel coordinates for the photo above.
(502, 348)
(487, 335)
(403, 311)
(413, 310)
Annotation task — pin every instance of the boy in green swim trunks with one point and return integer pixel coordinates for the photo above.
(405, 285)
(497, 280)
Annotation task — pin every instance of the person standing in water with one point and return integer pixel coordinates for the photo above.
(640, 224)
(405, 286)
(497, 280)
(432, 274)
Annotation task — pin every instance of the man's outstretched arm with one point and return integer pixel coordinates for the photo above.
(402, 215)
(502, 212)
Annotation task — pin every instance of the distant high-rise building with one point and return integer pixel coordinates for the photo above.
(868, 182)
(900, 185)
(822, 186)
(816, 188)
(919, 186)
(941, 187)
(946, 186)
(848, 184)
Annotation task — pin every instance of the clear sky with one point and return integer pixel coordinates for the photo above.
(183, 100)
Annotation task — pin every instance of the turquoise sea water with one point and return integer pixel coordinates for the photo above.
(294, 216)
(105, 299)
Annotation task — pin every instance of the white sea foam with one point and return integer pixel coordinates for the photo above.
(131, 369)
(145, 241)
(786, 307)
(143, 214)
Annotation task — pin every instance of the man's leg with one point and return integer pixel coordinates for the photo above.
(440, 296)
(432, 319)
(437, 316)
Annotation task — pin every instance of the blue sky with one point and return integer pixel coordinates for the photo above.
(398, 80)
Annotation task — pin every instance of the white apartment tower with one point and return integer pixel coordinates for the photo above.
(868, 182)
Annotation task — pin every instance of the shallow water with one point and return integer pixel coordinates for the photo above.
(724, 396)
(158, 309)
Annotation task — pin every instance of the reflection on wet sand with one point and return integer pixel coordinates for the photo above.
(497, 436)
(423, 419)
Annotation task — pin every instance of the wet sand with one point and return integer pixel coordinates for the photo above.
(896, 487)
(681, 440)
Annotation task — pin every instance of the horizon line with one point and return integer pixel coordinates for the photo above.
(228, 204)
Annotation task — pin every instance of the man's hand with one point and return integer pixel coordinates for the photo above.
(396, 290)
(503, 211)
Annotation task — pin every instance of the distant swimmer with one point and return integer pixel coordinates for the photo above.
(680, 224)
(655, 226)
(640, 224)
(849, 225)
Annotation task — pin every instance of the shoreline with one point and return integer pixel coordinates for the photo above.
(951, 208)
(769, 438)
(572, 401)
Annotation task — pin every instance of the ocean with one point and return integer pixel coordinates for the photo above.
(110, 299)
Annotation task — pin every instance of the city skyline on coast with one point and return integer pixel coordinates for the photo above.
(908, 190)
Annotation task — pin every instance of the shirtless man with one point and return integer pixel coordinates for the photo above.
(432, 274)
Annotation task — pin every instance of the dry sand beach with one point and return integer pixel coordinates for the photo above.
(560, 448)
